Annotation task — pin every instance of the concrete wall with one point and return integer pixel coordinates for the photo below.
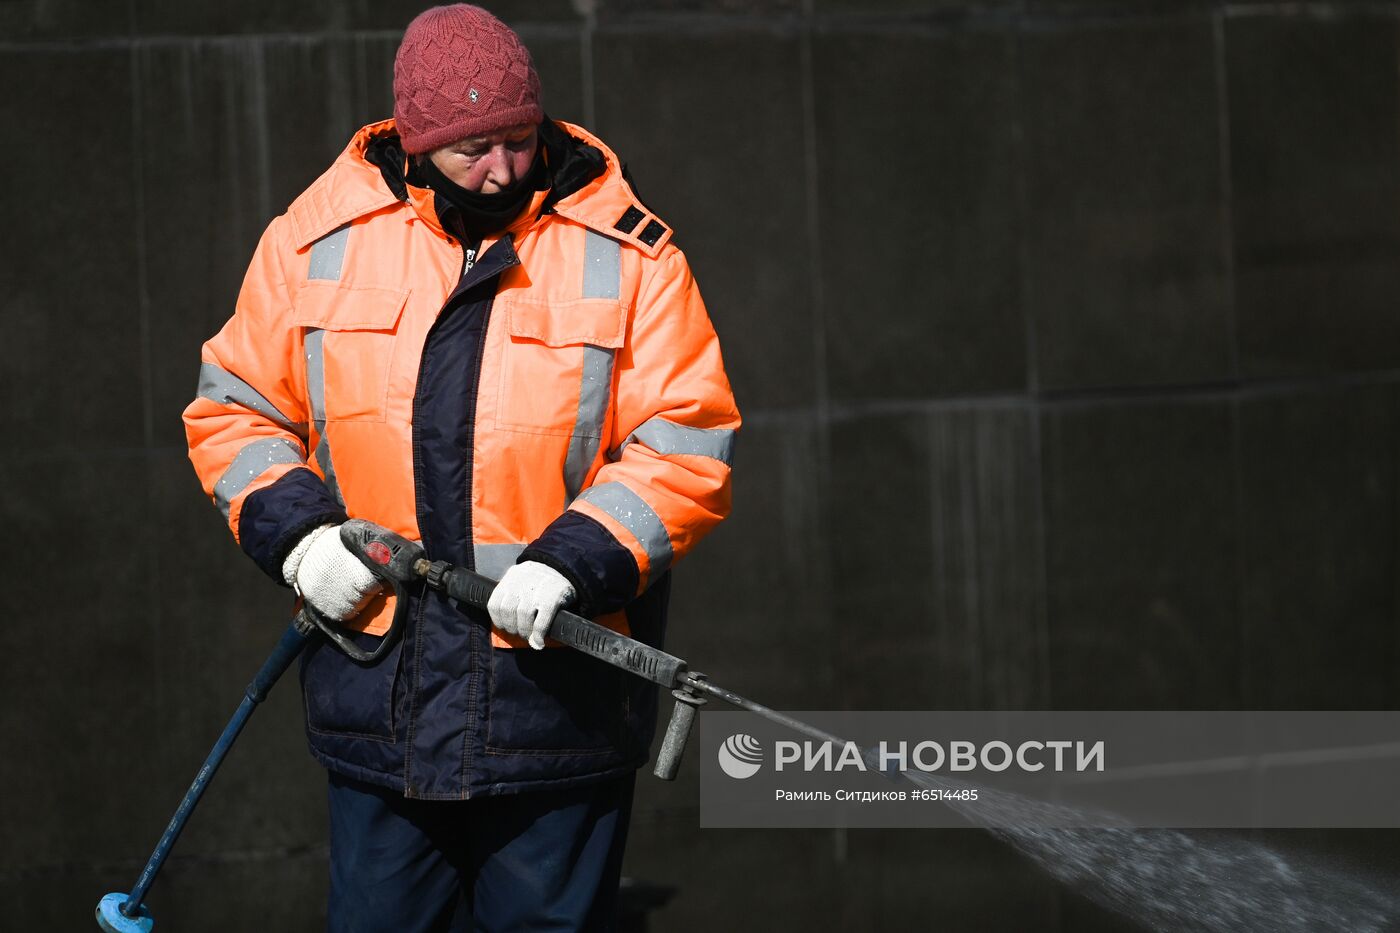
(1065, 333)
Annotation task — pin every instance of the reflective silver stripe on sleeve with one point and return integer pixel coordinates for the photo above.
(224, 388)
(316, 388)
(668, 438)
(493, 560)
(327, 254)
(252, 461)
(594, 392)
(632, 512)
(602, 266)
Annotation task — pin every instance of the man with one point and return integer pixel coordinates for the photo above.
(471, 331)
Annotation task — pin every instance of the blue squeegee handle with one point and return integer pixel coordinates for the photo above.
(293, 640)
(389, 557)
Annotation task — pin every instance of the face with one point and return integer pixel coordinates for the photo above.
(486, 164)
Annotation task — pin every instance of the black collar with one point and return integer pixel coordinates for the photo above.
(570, 164)
(471, 214)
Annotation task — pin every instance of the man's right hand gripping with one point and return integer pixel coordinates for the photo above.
(324, 572)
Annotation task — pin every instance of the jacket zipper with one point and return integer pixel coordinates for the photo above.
(468, 260)
(416, 450)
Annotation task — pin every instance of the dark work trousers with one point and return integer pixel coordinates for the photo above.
(546, 860)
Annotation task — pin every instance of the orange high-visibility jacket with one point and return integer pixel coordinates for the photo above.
(586, 418)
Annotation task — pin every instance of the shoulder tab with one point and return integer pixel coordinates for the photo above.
(649, 234)
(633, 226)
(622, 217)
(638, 225)
(608, 203)
(333, 200)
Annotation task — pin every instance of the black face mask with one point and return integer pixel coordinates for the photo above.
(483, 214)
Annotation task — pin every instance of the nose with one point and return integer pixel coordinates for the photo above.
(499, 173)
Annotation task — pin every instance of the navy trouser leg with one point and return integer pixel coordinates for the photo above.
(396, 864)
(551, 860)
(548, 860)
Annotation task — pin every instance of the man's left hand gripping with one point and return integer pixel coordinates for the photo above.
(525, 601)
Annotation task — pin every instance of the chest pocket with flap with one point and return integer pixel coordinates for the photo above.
(556, 375)
(349, 348)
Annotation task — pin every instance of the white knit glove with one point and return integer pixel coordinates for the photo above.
(526, 599)
(325, 573)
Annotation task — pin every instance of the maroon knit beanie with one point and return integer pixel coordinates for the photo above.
(461, 72)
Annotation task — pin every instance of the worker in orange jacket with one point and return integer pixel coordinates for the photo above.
(471, 331)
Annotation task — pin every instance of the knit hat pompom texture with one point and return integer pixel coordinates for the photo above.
(461, 72)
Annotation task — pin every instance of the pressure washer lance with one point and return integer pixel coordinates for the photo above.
(399, 562)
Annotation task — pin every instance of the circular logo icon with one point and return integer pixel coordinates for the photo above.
(378, 552)
(740, 756)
